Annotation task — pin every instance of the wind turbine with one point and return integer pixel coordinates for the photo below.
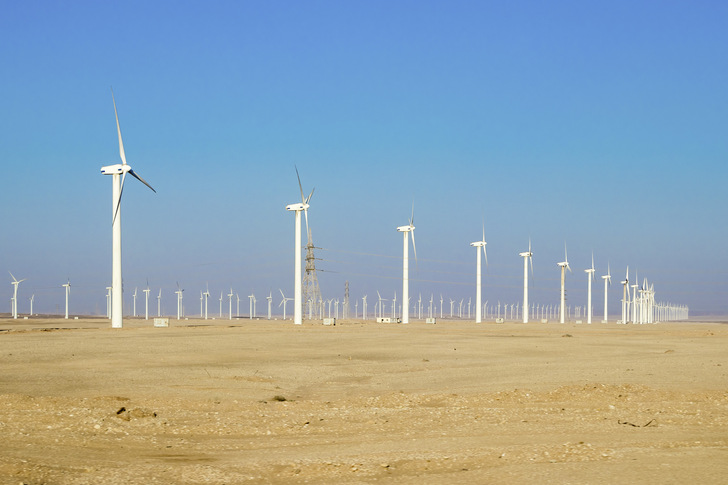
(564, 265)
(230, 303)
(478, 288)
(527, 256)
(146, 304)
(32, 297)
(590, 277)
(179, 300)
(381, 308)
(607, 282)
(270, 302)
(297, 208)
(406, 230)
(67, 286)
(221, 304)
(134, 297)
(364, 307)
(15, 284)
(206, 294)
(394, 306)
(108, 302)
(118, 173)
(283, 302)
(159, 303)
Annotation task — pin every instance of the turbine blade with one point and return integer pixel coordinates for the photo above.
(414, 247)
(485, 253)
(310, 195)
(299, 185)
(11, 274)
(118, 130)
(134, 174)
(118, 201)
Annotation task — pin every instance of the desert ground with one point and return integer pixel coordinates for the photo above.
(257, 401)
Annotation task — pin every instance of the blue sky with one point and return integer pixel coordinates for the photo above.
(601, 125)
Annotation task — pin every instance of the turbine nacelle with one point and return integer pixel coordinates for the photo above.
(116, 169)
(407, 228)
(477, 244)
(297, 207)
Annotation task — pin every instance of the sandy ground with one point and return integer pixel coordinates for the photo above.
(268, 402)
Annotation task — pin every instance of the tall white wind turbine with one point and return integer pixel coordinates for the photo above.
(134, 298)
(146, 304)
(15, 284)
(284, 301)
(406, 230)
(527, 256)
(179, 300)
(590, 277)
(118, 173)
(67, 286)
(206, 294)
(478, 288)
(607, 282)
(297, 292)
(564, 265)
(230, 301)
(270, 303)
(32, 297)
(159, 303)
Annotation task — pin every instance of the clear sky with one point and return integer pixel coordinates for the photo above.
(602, 125)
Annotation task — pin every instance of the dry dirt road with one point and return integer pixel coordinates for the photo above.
(268, 402)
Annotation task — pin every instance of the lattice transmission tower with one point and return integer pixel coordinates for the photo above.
(311, 292)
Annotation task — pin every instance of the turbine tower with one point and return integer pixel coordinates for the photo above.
(118, 173)
(478, 288)
(270, 303)
(179, 300)
(406, 230)
(297, 293)
(527, 256)
(590, 277)
(230, 303)
(67, 286)
(206, 294)
(15, 284)
(564, 265)
(32, 297)
(146, 304)
(159, 303)
(607, 282)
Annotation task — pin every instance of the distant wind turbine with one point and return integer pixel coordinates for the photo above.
(230, 301)
(146, 299)
(15, 284)
(297, 208)
(284, 301)
(406, 230)
(527, 257)
(206, 294)
(564, 265)
(590, 277)
(159, 303)
(270, 303)
(118, 172)
(179, 300)
(67, 286)
(478, 276)
(32, 297)
(607, 281)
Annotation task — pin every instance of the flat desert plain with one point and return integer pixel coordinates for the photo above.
(243, 401)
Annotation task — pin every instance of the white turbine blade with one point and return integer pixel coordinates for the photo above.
(412, 219)
(414, 247)
(118, 201)
(486, 255)
(11, 274)
(310, 195)
(282, 295)
(134, 174)
(118, 129)
(299, 185)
